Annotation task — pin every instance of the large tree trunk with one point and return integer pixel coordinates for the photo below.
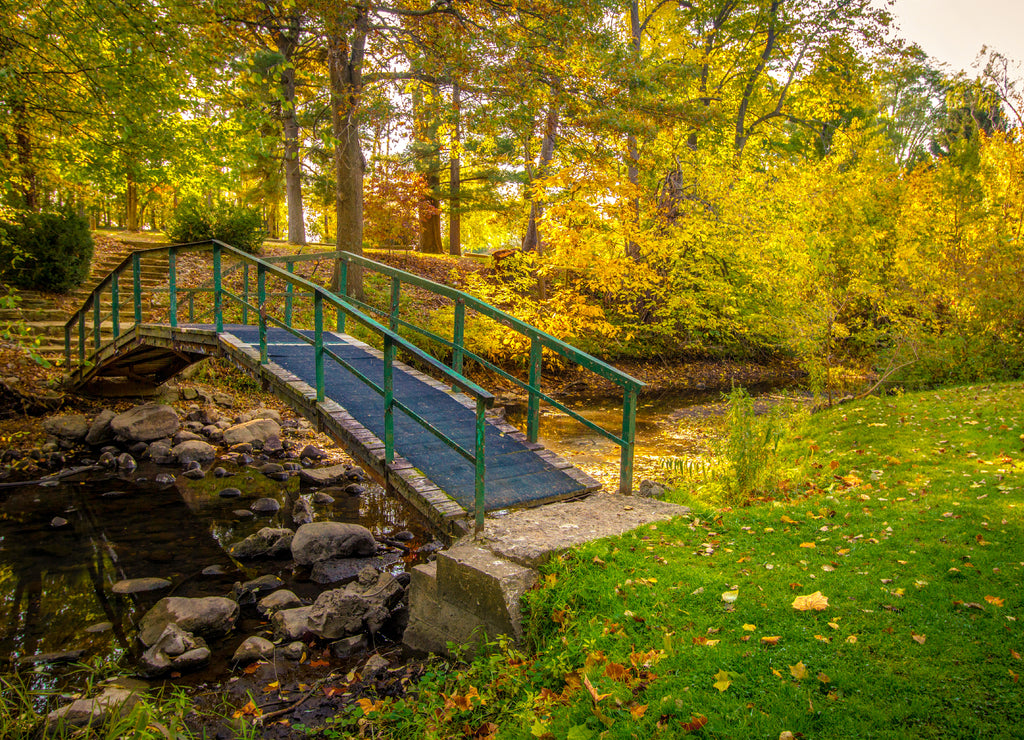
(345, 61)
(286, 43)
(425, 125)
(455, 179)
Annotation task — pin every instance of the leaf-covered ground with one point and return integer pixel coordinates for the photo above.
(881, 599)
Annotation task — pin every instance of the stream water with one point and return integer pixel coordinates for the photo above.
(56, 581)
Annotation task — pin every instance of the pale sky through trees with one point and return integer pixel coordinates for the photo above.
(953, 31)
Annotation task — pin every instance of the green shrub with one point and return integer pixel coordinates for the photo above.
(239, 226)
(46, 251)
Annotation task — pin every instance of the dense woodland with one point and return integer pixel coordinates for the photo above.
(688, 177)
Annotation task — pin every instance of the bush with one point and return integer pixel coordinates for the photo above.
(46, 251)
(239, 226)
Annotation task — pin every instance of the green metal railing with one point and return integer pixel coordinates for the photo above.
(321, 297)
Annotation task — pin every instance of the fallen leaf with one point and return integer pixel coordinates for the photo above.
(318, 664)
(749, 627)
(249, 709)
(814, 601)
(593, 692)
(729, 597)
(798, 671)
(638, 712)
(696, 721)
(787, 520)
(822, 638)
(1014, 653)
(995, 600)
(771, 639)
(919, 639)
(852, 639)
(251, 668)
(823, 677)
(701, 640)
(723, 681)
(369, 706)
(617, 672)
(1015, 676)
(810, 545)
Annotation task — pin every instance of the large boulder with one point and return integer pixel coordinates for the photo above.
(72, 427)
(325, 540)
(146, 422)
(99, 430)
(365, 605)
(193, 450)
(269, 542)
(292, 624)
(255, 432)
(210, 615)
(254, 648)
(324, 476)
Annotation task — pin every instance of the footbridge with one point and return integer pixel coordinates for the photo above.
(352, 363)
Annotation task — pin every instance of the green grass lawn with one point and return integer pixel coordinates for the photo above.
(903, 512)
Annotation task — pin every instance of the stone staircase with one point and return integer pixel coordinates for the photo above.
(42, 315)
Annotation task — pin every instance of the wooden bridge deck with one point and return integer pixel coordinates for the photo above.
(425, 470)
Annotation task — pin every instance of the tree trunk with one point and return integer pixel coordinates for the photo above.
(425, 126)
(532, 241)
(345, 63)
(455, 179)
(632, 148)
(132, 203)
(286, 43)
(26, 165)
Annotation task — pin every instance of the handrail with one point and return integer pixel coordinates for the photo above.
(392, 340)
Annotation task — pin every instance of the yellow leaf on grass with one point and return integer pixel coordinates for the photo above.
(822, 638)
(369, 706)
(995, 600)
(730, 597)
(638, 712)
(617, 672)
(798, 671)
(787, 520)
(919, 639)
(771, 639)
(808, 544)
(593, 692)
(723, 681)
(750, 627)
(823, 677)
(851, 639)
(811, 602)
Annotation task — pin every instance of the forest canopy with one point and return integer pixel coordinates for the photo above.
(685, 177)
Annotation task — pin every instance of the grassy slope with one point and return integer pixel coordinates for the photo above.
(905, 513)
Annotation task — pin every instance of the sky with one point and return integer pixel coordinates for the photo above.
(953, 31)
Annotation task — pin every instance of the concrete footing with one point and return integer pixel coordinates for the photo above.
(472, 592)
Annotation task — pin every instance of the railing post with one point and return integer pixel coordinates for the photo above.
(261, 298)
(389, 400)
(396, 291)
(533, 404)
(191, 306)
(479, 456)
(628, 437)
(96, 320)
(245, 292)
(172, 285)
(289, 290)
(342, 291)
(115, 303)
(218, 316)
(137, 287)
(81, 336)
(318, 344)
(67, 347)
(458, 334)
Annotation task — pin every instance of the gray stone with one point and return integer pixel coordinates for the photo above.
(364, 605)
(272, 445)
(186, 436)
(140, 585)
(220, 472)
(293, 650)
(373, 667)
(652, 489)
(265, 413)
(126, 462)
(58, 521)
(195, 472)
(281, 599)
(194, 450)
(326, 540)
(349, 646)
(99, 430)
(223, 399)
(254, 432)
(322, 498)
(243, 513)
(111, 701)
(147, 422)
(248, 592)
(215, 570)
(160, 453)
(344, 569)
(72, 427)
(99, 627)
(269, 468)
(164, 479)
(188, 394)
(292, 624)
(210, 615)
(107, 460)
(175, 650)
(66, 656)
(313, 452)
(254, 648)
(265, 506)
(302, 511)
(229, 493)
(323, 476)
